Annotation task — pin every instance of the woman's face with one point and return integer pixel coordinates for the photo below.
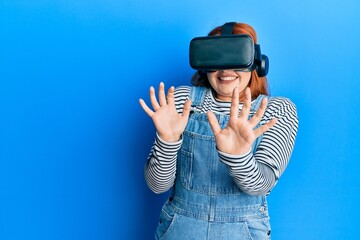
(224, 81)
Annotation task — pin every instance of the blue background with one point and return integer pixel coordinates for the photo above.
(74, 140)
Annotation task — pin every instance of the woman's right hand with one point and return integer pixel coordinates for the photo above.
(168, 122)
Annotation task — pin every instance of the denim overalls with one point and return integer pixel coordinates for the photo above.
(205, 203)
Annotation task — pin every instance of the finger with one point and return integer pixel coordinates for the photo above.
(186, 109)
(234, 109)
(153, 99)
(260, 130)
(146, 108)
(170, 96)
(162, 97)
(247, 104)
(259, 113)
(213, 123)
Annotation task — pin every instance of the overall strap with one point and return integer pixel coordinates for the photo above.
(256, 104)
(197, 95)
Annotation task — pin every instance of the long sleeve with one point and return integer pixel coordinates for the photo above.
(252, 177)
(257, 174)
(160, 168)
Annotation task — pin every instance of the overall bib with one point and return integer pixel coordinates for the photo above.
(205, 203)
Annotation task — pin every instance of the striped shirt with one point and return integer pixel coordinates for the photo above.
(255, 174)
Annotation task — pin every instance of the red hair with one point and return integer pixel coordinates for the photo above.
(258, 85)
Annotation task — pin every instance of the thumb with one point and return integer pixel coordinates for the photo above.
(213, 123)
(186, 109)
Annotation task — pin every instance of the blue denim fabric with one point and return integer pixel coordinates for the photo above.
(205, 203)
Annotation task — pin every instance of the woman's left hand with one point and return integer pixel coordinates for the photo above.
(238, 136)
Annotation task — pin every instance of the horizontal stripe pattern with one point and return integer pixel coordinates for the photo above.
(255, 174)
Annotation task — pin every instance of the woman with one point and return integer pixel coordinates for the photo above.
(221, 147)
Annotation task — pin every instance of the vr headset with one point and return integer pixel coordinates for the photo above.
(227, 51)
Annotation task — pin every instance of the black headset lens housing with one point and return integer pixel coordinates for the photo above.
(227, 51)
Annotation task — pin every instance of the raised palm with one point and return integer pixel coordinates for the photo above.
(239, 134)
(168, 122)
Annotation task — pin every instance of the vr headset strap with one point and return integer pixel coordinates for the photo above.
(227, 28)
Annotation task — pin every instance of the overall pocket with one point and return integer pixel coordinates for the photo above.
(166, 223)
(200, 169)
(259, 228)
(185, 159)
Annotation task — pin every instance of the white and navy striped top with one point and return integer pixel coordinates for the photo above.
(255, 174)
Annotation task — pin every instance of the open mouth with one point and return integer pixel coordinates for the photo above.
(227, 79)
